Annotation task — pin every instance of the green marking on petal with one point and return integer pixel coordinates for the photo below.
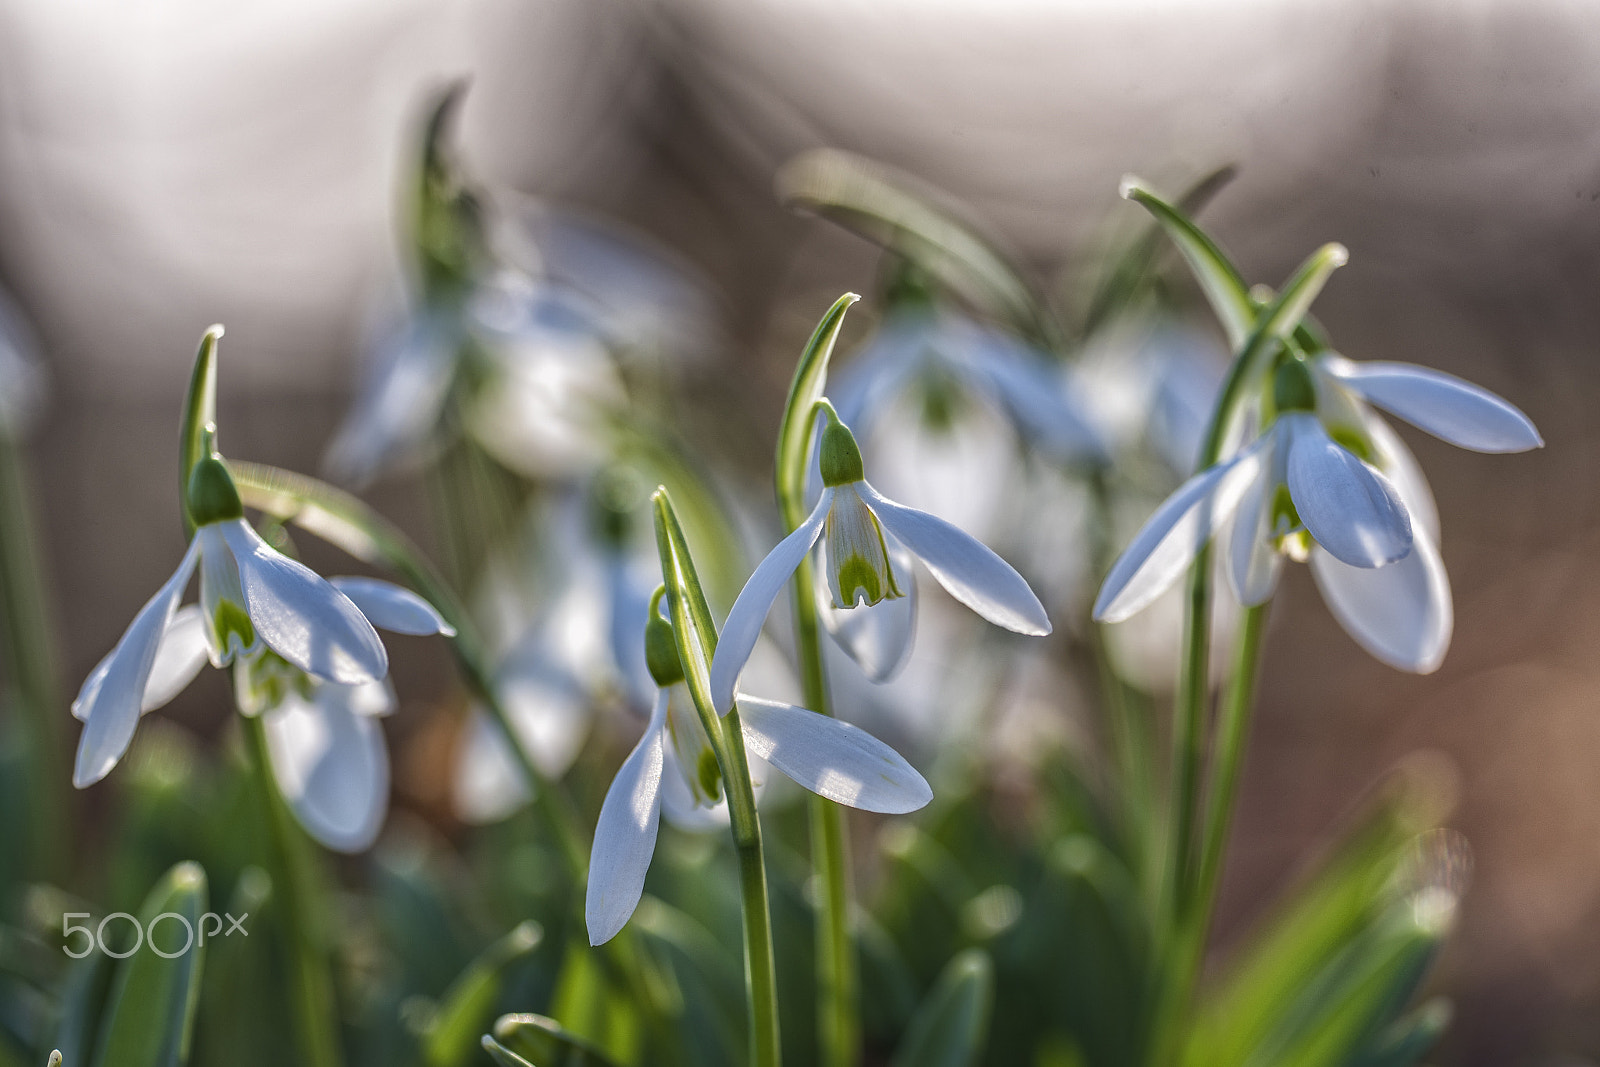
(709, 777)
(233, 629)
(858, 579)
(1353, 440)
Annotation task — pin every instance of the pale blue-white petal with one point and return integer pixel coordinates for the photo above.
(877, 636)
(965, 566)
(1253, 560)
(400, 401)
(679, 806)
(300, 616)
(1352, 510)
(488, 784)
(1403, 470)
(1036, 393)
(625, 835)
(755, 600)
(1166, 544)
(109, 702)
(832, 758)
(331, 764)
(1400, 613)
(1448, 407)
(393, 607)
(881, 368)
(181, 654)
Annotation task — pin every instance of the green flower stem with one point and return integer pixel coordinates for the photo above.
(838, 980)
(1272, 328)
(31, 659)
(696, 635)
(1233, 730)
(342, 520)
(297, 894)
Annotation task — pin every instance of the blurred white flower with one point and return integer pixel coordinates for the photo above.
(868, 543)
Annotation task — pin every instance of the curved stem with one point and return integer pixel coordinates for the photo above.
(838, 1014)
(696, 635)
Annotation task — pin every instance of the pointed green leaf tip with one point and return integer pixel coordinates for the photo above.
(1292, 387)
(661, 645)
(839, 457)
(212, 496)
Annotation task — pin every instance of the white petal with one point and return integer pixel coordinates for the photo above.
(877, 636)
(393, 607)
(1401, 613)
(832, 758)
(400, 400)
(300, 616)
(966, 567)
(112, 695)
(755, 600)
(1351, 509)
(548, 709)
(625, 836)
(1448, 407)
(1253, 560)
(181, 654)
(1037, 395)
(488, 784)
(332, 766)
(1166, 544)
(222, 599)
(1403, 470)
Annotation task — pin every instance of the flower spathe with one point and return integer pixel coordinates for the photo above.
(867, 543)
(1329, 483)
(674, 764)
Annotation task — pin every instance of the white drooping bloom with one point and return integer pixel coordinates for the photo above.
(1330, 483)
(868, 544)
(675, 766)
(307, 654)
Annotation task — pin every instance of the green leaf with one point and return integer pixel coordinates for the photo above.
(1224, 287)
(794, 433)
(196, 439)
(869, 199)
(541, 1042)
(1347, 895)
(1131, 274)
(470, 1000)
(952, 1024)
(150, 1015)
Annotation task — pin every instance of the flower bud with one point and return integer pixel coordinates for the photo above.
(840, 458)
(212, 496)
(1292, 387)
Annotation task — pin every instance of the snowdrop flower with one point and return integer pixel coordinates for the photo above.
(918, 345)
(326, 748)
(251, 597)
(1329, 483)
(868, 543)
(675, 764)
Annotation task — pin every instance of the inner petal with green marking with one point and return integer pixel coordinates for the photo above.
(692, 747)
(858, 558)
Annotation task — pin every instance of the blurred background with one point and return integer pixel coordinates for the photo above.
(171, 164)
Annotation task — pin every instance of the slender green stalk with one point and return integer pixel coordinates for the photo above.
(838, 980)
(345, 521)
(697, 643)
(297, 893)
(1233, 731)
(31, 658)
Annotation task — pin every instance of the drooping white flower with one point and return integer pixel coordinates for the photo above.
(251, 596)
(868, 543)
(674, 764)
(1330, 483)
